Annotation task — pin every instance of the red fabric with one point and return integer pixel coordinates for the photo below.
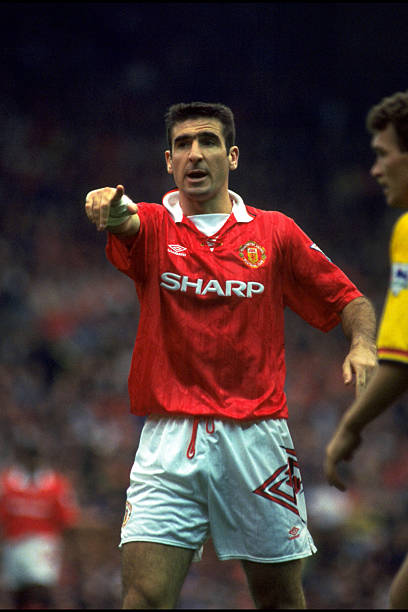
(44, 505)
(210, 338)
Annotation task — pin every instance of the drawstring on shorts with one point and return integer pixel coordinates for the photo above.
(209, 428)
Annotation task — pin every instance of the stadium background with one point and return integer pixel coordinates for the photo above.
(84, 90)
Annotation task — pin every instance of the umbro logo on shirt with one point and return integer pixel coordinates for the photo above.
(177, 249)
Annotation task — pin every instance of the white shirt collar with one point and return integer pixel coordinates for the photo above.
(172, 203)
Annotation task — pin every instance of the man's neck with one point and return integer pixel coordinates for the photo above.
(194, 206)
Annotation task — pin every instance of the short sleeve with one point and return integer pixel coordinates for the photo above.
(134, 255)
(314, 287)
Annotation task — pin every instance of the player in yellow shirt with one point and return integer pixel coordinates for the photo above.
(388, 123)
(393, 334)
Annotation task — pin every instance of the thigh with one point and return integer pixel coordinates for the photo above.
(153, 574)
(399, 588)
(276, 585)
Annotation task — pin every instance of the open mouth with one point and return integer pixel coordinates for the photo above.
(196, 174)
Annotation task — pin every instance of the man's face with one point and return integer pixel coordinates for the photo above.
(390, 168)
(199, 161)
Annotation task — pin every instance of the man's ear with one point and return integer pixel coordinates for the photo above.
(169, 164)
(233, 156)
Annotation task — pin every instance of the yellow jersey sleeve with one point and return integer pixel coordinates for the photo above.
(392, 341)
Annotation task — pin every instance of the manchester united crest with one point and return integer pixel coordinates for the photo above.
(252, 254)
(128, 512)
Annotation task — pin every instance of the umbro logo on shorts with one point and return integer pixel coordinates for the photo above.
(294, 533)
(177, 249)
(284, 485)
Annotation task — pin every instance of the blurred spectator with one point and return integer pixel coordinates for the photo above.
(37, 504)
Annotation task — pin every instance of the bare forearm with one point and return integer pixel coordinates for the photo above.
(359, 326)
(387, 384)
(359, 321)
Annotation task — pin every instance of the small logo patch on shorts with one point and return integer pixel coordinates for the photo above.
(294, 533)
(128, 512)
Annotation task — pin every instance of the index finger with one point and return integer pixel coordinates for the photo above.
(347, 371)
(106, 205)
(361, 383)
(120, 190)
(332, 475)
(99, 201)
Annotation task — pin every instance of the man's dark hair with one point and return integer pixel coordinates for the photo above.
(391, 110)
(193, 110)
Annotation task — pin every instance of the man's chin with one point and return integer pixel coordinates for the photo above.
(398, 202)
(198, 193)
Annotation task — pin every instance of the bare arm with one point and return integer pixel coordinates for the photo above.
(359, 326)
(109, 208)
(386, 386)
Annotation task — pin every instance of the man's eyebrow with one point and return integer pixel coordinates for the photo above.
(190, 135)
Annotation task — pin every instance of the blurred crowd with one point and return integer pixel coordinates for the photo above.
(68, 322)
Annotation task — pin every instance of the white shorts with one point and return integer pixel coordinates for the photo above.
(236, 482)
(33, 560)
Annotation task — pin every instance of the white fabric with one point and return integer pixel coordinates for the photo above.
(119, 213)
(172, 204)
(209, 224)
(35, 560)
(181, 501)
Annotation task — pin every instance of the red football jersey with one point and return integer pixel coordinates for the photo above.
(210, 338)
(43, 505)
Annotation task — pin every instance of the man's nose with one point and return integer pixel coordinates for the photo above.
(375, 170)
(195, 151)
